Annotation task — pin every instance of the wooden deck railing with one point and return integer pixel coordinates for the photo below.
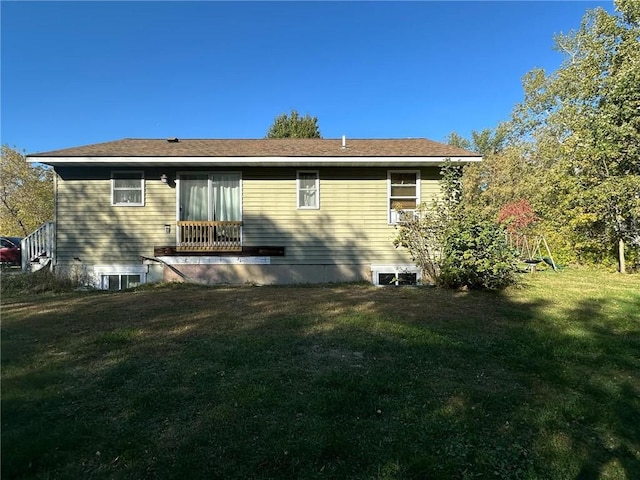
(205, 236)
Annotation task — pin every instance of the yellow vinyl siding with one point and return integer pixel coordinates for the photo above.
(350, 226)
(91, 229)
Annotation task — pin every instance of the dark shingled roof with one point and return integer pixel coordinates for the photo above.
(288, 147)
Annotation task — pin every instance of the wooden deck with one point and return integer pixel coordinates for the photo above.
(212, 236)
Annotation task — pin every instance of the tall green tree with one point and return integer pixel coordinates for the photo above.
(294, 126)
(584, 121)
(26, 194)
(486, 142)
(457, 140)
(501, 178)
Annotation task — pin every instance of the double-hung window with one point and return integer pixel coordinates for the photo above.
(403, 191)
(127, 188)
(308, 189)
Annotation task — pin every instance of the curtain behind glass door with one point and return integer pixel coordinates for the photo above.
(210, 197)
(194, 197)
(226, 197)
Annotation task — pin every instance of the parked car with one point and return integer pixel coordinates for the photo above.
(10, 250)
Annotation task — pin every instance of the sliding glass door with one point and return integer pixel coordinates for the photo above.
(210, 197)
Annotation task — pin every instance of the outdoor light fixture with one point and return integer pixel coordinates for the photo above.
(164, 178)
(167, 228)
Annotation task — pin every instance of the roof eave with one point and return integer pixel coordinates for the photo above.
(391, 161)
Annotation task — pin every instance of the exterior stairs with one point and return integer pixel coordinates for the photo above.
(38, 249)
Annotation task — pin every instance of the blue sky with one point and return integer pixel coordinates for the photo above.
(75, 73)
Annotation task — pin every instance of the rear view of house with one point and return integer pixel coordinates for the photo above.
(267, 211)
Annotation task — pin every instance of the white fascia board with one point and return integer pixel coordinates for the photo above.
(251, 161)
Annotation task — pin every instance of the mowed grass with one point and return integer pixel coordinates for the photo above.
(345, 381)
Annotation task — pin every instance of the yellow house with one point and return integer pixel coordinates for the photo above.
(264, 211)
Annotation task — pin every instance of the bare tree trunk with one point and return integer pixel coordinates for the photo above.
(622, 268)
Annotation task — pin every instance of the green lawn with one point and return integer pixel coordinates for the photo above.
(346, 381)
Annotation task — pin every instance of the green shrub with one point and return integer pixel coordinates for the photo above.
(476, 255)
(422, 234)
(453, 246)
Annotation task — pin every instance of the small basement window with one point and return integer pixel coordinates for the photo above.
(120, 282)
(396, 275)
(120, 277)
(397, 279)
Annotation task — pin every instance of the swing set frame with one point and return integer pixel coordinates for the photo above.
(530, 250)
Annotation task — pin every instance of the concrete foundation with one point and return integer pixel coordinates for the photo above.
(266, 274)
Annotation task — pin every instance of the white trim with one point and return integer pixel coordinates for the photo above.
(395, 269)
(213, 260)
(303, 207)
(225, 162)
(142, 185)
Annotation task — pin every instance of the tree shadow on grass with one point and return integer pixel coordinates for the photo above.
(605, 362)
(315, 382)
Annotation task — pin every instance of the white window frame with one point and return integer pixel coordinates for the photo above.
(299, 190)
(101, 271)
(396, 269)
(114, 173)
(392, 215)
